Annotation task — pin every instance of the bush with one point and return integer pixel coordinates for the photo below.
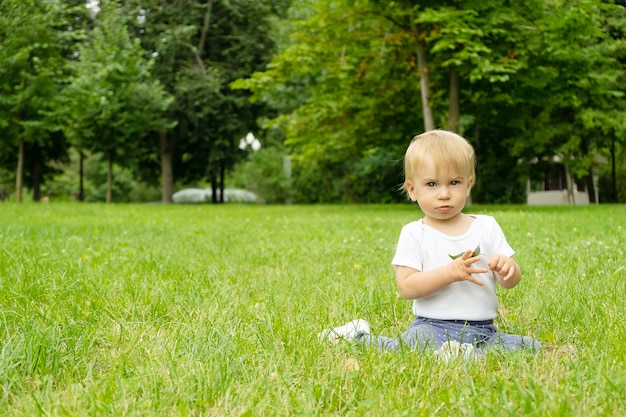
(66, 185)
(7, 183)
(376, 177)
(264, 173)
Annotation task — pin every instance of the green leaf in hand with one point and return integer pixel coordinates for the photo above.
(475, 253)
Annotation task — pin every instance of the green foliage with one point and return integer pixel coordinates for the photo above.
(35, 41)
(340, 80)
(148, 310)
(125, 187)
(121, 187)
(537, 79)
(112, 102)
(476, 38)
(375, 177)
(265, 173)
(199, 48)
(348, 82)
(6, 184)
(573, 82)
(499, 179)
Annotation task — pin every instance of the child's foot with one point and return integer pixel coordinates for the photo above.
(468, 351)
(453, 349)
(348, 331)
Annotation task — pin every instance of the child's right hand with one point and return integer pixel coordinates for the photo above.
(463, 268)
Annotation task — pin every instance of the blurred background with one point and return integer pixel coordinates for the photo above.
(303, 101)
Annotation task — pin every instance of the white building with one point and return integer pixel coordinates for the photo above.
(552, 183)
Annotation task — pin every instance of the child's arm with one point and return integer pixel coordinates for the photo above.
(413, 284)
(506, 270)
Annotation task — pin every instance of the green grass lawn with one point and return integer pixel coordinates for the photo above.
(149, 310)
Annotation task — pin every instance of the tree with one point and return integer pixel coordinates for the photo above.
(113, 102)
(200, 47)
(350, 79)
(609, 83)
(34, 36)
(573, 85)
(341, 87)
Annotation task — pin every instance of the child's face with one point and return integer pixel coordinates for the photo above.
(441, 194)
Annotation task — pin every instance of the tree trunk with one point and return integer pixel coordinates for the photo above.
(81, 174)
(613, 174)
(454, 108)
(167, 176)
(37, 173)
(213, 187)
(429, 122)
(109, 177)
(19, 174)
(591, 187)
(222, 175)
(569, 185)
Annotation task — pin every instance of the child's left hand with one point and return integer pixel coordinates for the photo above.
(504, 266)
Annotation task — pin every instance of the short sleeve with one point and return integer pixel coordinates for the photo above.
(497, 240)
(409, 252)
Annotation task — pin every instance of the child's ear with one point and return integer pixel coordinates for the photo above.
(470, 184)
(410, 190)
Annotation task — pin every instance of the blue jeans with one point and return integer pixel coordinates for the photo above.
(425, 333)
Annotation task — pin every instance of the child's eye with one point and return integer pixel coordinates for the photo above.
(431, 184)
(455, 182)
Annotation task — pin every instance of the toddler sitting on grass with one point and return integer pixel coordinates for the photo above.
(447, 262)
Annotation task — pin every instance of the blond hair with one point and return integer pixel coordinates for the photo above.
(443, 148)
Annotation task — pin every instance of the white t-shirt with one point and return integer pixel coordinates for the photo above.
(423, 248)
